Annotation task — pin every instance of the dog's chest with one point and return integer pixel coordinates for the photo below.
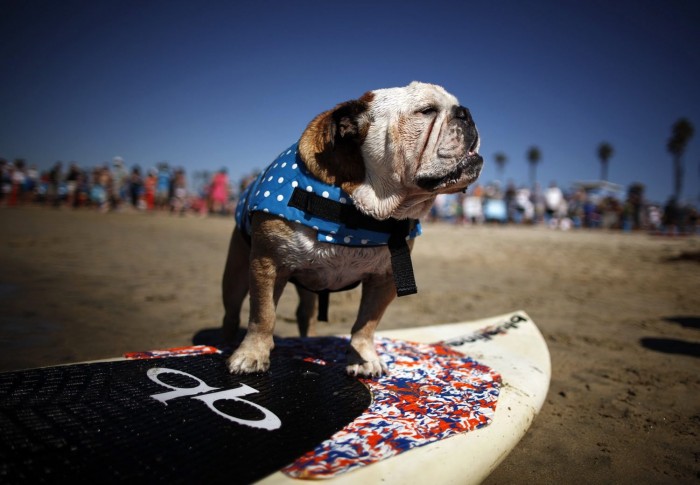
(322, 266)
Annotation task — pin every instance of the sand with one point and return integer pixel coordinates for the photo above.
(620, 313)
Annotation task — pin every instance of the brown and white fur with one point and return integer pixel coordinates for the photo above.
(393, 150)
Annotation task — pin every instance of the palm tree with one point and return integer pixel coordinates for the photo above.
(500, 159)
(534, 155)
(605, 151)
(681, 133)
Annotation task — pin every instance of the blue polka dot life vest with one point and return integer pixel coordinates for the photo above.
(273, 190)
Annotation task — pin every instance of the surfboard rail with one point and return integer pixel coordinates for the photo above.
(513, 346)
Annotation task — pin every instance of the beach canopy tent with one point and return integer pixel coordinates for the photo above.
(600, 189)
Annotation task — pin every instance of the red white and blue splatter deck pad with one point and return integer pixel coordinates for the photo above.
(432, 393)
(187, 351)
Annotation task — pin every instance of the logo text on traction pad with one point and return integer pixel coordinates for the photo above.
(487, 333)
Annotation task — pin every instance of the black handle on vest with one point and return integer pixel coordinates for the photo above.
(349, 215)
(401, 265)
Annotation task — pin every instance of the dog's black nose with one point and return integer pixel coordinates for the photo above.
(471, 136)
(462, 113)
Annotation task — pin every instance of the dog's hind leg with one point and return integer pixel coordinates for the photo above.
(306, 312)
(235, 284)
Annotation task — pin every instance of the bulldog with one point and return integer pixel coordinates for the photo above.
(340, 208)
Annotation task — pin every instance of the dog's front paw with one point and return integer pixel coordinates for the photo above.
(363, 360)
(247, 363)
(374, 368)
(252, 356)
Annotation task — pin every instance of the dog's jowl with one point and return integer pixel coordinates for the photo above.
(340, 208)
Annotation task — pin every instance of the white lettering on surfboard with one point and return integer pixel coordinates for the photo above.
(487, 333)
(205, 393)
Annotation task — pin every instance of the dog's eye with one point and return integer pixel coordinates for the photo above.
(428, 110)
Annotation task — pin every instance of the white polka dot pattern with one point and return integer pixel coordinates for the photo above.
(271, 192)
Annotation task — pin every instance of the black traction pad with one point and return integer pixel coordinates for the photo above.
(113, 422)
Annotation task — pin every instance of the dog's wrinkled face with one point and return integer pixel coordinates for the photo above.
(395, 149)
(420, 142)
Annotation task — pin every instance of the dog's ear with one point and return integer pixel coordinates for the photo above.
(330, 145)
(345, 121)
(331, 148)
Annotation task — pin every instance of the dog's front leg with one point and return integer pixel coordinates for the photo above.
(363, 360)
(266, 285)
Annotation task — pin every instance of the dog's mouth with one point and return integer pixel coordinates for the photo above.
(459, 178)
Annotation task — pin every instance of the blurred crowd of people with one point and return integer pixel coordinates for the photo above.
(109, 187)
(559, 209)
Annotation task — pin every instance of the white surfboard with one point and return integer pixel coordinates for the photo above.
(512, 346)
(457, 400)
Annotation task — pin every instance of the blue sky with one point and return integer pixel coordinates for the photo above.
(230, 84)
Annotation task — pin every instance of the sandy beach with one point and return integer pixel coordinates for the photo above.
(619, 311)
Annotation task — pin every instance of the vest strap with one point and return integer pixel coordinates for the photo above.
(348, 214)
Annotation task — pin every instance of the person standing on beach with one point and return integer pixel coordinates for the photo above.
(671, 217)
(178, 203)
(121, 182)
(5, 180)
(31, 183)
(525, 208)
(55, 181)
(510, 201)
(72, 184)
(538, 203)
(18, 178)
(163, 185)
(219, 191)
(135, 186)
(553, 200)
(473, 206)
(149, 189)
